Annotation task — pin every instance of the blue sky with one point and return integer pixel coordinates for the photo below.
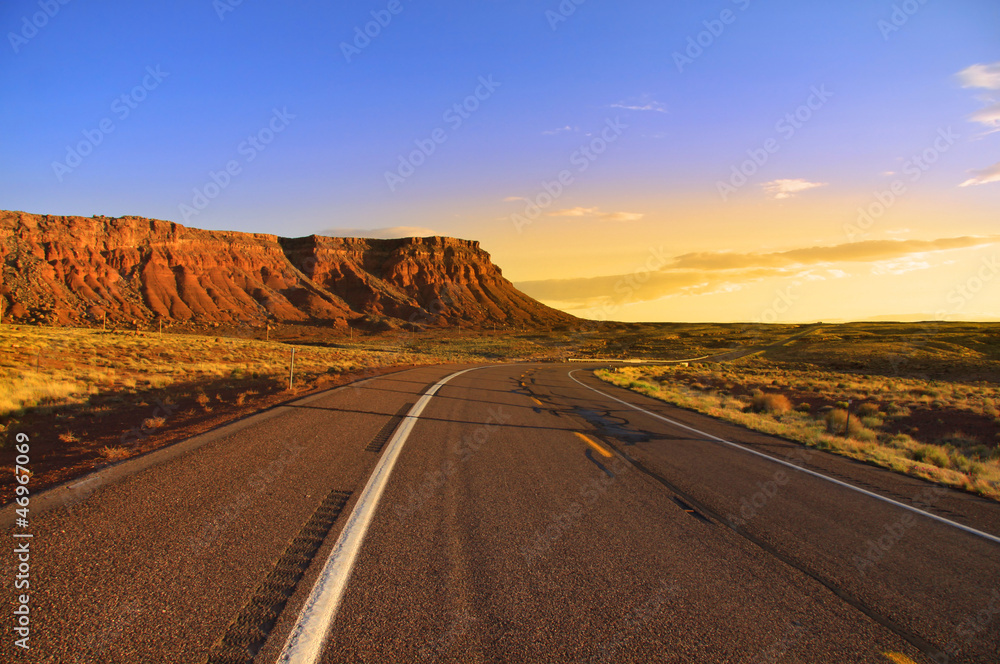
(223, 72)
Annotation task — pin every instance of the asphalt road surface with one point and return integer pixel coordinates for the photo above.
(527, 518)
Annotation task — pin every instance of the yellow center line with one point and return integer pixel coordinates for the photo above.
(593, 443)
(898, 658)
(536, 401)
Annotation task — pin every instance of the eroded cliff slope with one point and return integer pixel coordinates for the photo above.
(75, 269)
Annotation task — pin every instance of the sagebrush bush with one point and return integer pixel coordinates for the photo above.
(956, 459)
(872, 422)
(867, 409)
(930, 454)
(770, 403)
(836, 420)
(959, 439)
(900, 441)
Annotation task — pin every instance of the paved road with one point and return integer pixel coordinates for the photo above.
(528, 519)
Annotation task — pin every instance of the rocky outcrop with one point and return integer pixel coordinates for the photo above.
(73, 269)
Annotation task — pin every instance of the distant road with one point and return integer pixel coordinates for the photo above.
(529, 517)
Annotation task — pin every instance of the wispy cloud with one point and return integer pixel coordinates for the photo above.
(559, 130)
(850, 252)
(595, 212)
(643, 103)
(900, 266)
(984, 77)
(701, 273)
(989, 116)
(622, 216)
(380, 233)
(573, 212)
(981, 76)
(983, 176)
(511, 199)
(779, 189)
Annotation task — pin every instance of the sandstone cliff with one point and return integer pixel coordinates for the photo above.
(78, 269)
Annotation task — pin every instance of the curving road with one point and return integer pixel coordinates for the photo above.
(533, 514)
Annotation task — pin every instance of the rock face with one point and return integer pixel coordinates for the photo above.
(75, 269)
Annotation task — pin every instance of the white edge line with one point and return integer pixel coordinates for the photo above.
(935, 517)
(305, 643)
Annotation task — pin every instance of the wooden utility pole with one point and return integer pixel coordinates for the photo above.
(104, 321)
(291, 370)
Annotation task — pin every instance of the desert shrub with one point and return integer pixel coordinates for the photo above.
(900, 441)
(803, 407)
(959, 439)
(770, 403)
(153, 423)
(867, 409)
(872, 422)
(865, 435)
(963, 464)
(930, 454)
(897, 411)
(836, 420)
(980, 452)
(114, 453)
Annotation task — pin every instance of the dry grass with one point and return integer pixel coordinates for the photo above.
(958, 460)
(115, 453)
(75, 364)
(770, 403)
